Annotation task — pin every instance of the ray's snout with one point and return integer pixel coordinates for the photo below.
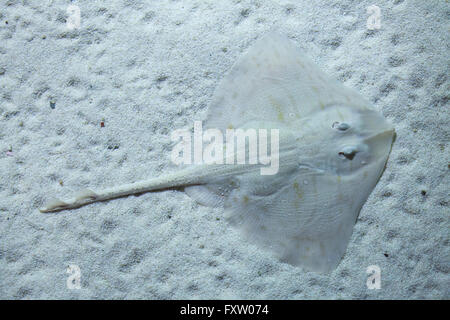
(378, 133)
(374, 124)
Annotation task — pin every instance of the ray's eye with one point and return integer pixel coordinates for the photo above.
(348, 153)
(341, 126)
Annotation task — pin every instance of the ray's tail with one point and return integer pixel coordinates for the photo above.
(87, 196)
(193, 175)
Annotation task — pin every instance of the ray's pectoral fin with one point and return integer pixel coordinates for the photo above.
(309, 220)
(322, 254)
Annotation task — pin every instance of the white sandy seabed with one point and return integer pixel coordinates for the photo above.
(146, 68)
